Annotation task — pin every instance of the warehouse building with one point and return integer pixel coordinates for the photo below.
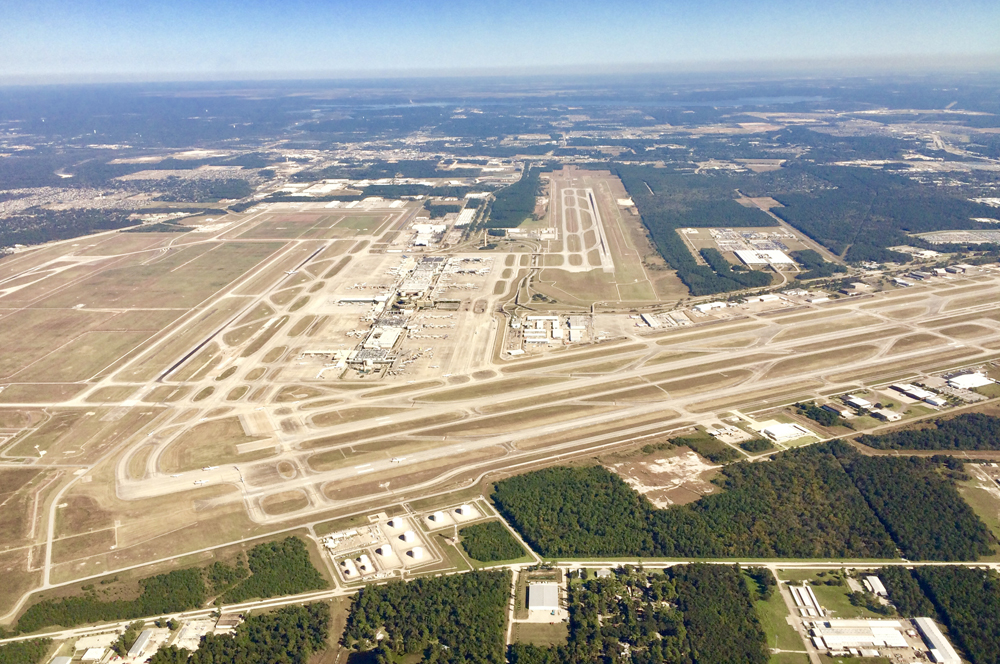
(940, 647)
(969, 381)
(543, 597)
(838, 635)
(139, 647)
(780, 432)
(764, 257)
(874, 585)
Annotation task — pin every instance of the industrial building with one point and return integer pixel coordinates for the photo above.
(805, 600)
(941, 650)
(969, 381)
(837, 410)
(780, 432)
(838, 635)
(857, 402)
(139, 647)
(886, 415)
(543, 597)
(764, 257)
(874, 585)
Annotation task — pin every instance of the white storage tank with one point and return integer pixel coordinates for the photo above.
(437, 517)
(408, 536)
(416, 552)
(464, 510)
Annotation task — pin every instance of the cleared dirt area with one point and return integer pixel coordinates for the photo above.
(670, 477)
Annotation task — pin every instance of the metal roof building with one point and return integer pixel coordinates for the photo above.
(543, 597)
(140, 644)
(941, 650)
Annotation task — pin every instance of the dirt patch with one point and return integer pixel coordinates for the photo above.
(673, 477)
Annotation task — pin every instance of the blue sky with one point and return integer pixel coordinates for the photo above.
(70, 39)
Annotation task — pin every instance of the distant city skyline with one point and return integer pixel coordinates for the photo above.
(59, 40)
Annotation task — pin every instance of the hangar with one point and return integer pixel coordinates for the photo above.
(764, 257)
(543, 597)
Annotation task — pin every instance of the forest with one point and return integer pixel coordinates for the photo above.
(24, 652)
(459, 618)
(820, 501)
(905, 592)
(816, 414)
(516, 202)
(490, 541)
(37, 225)
(277, 568)
(669, 200)
(179, 590)
(816, 267)
(860, 212)
(801, 504)
(918, 504)
(702, 614)
(968, 602)
(289, 635)
(721, 623)
(968, 431)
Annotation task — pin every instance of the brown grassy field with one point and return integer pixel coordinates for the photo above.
(209, 444)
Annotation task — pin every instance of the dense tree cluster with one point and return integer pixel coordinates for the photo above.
(905, 592)
(969, 431)
(801, 504)
(968, 601)
(757, 445)
(489, 542)
(460, 618)
(816, 267)
(516, 202)
(277, 568)
(816, 414)
(859, 212)
(36, 225)
(921, 508)
(669, 200)
(764, 582)
(714, 450)
(24, 652)
(723, 268)
(289, 635)
(179, 590)
(718, 612)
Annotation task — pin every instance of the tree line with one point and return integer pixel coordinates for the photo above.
(459, 618)
(968, 431)
(289, 635)
(489, 542)
(820, 501)
(275, 568)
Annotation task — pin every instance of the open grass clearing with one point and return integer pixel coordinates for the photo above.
(182, 280)
(113, 393)
(773, 615)
(804, 331)
(283, 297)
(913, 342)
(894, 299)
(301, 325)
(274, 354)
(708, 332)
(704, 382)
(518, 421)
(30, 334)
(751, 398)
(967, 301)
(204, 394)
(718, 365)
(492, 388)
(284, 502)
(237, 393)
(798, 319)
(822, 360)
(40, 392)
(291, 393)
(542, 635)
(264, 337)
(905, 313)
(240, 335)
(347, 415)
(209, 444)
(402, 389)
(262, 310)
(889, 370)
(609, 366)
(558, 358)
(384, 430)
(200, 325)
(967, 331)
(564, 395)
(299, 303)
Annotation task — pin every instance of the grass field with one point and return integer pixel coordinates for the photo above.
(209, 444)
(496, 387)
(541, 634)
(773, 616)
(30, 334)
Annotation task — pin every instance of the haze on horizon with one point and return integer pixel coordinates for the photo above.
(86, 40)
